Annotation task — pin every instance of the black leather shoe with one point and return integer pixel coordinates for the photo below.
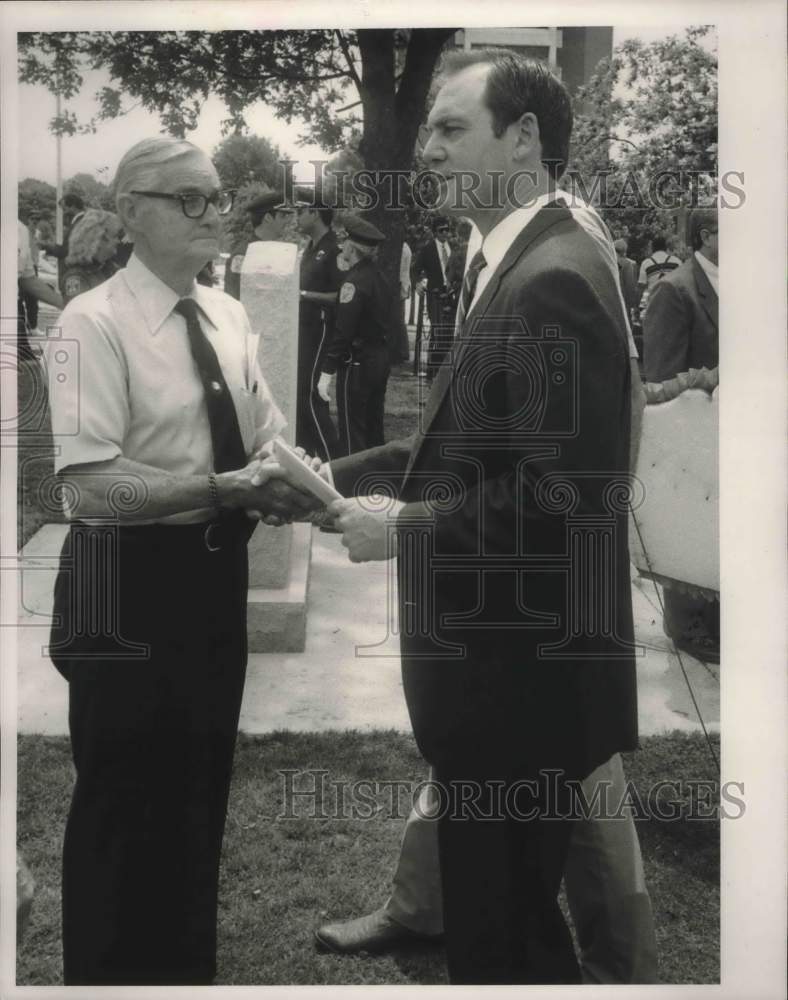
(375, 932)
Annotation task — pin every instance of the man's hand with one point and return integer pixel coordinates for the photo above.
(367, 526)
(261, 488)
(322, 386)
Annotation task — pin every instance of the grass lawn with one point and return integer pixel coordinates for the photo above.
(283, 877)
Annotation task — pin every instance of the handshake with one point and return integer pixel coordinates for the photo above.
(275, 495)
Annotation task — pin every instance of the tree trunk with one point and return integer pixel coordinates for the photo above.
(392, 116)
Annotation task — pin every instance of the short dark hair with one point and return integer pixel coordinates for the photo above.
(659, 243)
(73, 201)
(516, 85)
(702, 218)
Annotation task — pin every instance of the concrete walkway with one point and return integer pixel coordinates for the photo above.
(349, 675)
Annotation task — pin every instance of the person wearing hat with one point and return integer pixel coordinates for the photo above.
(320, 278)
(358, 353)
(269, 214)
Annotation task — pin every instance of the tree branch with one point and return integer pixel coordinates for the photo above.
(348, 59)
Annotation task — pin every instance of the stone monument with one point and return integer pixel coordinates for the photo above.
(278, 557)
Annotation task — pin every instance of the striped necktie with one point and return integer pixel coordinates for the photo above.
(228, 449)
(477, 264)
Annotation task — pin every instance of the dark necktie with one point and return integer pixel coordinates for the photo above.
(477, 264)
(228, 448)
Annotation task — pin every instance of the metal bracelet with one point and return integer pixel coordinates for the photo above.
(213, 491)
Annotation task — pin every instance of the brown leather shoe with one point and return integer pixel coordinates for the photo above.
(374, 932)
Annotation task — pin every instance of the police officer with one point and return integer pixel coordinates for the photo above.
(269, 214)
(358, 353)
(320, 280)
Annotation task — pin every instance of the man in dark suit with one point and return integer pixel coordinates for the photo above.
(432, 271)
(681, 322)
(681, 331)
(514, 603)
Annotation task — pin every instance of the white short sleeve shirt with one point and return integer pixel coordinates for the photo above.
(122, 379)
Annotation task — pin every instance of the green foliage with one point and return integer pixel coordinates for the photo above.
(245, 159)
(95, 193)
(36, 196)
(303, 74)
(368, 86)
(646, 133)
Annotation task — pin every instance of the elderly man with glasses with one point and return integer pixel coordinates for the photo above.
(159, 431)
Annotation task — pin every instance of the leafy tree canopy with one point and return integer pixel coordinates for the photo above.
(246, 159)
(647, 133)
(368, 84)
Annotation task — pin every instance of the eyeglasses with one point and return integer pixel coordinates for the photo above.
(195, 205)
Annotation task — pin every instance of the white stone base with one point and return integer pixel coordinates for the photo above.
(276, 618)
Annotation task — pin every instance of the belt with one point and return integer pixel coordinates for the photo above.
(225, 533)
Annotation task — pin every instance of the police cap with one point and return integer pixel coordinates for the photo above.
(269, 202)
(363, 232)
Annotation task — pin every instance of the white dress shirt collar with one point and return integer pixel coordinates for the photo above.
(497, 242)
(711, 271)
(156, 299)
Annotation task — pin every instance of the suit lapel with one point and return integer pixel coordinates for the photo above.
(544, 219)
(706, 294)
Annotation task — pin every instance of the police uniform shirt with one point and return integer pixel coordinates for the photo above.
(25, 267)
(125, 382)
(232, 272)
(362, 314)
(319, 273)
(79, 278)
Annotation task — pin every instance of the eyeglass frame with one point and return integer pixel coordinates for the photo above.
(181, 197)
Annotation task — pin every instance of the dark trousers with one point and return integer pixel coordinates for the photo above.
(500, 875)
(25, 322)
(153, 737)
(441, 309)
(361, 400)
(315, 431)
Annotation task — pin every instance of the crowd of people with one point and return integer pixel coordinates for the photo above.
(503, 705)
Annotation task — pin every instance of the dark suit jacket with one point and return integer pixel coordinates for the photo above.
(526, 431)
(428, 264)
(681, 324)
(629, 282)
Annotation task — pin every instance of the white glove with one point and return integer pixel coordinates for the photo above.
(322, 386)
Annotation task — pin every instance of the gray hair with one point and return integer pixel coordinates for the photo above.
(140, 165)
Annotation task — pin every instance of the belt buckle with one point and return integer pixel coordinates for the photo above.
(207, 537)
